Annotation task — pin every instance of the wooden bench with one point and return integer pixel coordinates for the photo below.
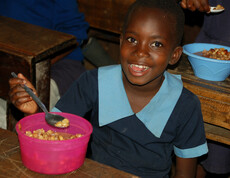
(29, 49)
(108, 16)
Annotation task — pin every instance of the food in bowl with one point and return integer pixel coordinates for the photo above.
(63, 123)
(204, 67)
(216, 53)
(51, 135)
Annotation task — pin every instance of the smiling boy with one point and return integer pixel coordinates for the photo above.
(140, 113)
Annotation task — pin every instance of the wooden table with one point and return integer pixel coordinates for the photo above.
(29, 49)
(12, 166)
(106, 15)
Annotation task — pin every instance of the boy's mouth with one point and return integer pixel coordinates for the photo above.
(138, 68)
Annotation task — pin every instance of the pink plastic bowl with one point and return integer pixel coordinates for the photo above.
(53, 157)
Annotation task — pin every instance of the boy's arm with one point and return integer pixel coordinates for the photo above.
(190, 142)
(185, 167)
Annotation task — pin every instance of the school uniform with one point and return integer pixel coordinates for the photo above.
(139, 143)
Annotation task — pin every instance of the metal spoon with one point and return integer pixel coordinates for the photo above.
(51, 119)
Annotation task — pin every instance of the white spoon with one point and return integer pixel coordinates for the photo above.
(214, 10)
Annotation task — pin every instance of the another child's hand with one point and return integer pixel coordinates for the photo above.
(19, 97)
(200, 5)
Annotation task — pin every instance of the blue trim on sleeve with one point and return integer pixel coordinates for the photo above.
(191, 152)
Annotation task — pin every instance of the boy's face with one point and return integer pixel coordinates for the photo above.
(148, 46)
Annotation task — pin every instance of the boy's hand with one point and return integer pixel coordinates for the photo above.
(200, 5)
(19, 97)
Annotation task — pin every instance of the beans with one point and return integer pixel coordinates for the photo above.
(51, 135)
(217, 53)
(63, 123)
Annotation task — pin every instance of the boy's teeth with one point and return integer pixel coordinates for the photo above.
(138, 67)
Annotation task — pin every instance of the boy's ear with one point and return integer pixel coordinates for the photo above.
(176, 55)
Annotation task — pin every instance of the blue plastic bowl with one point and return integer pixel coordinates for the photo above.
(207, 68)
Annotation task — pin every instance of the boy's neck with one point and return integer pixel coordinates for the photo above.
(140, 96)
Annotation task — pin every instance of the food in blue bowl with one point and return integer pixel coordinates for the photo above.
(209, 61)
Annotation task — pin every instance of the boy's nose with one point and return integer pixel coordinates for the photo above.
(142, 51)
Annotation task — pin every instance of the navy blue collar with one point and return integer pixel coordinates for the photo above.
(114, 104)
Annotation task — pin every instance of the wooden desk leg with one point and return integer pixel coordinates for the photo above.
(43, 81)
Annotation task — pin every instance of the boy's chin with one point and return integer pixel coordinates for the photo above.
(132, 80)
(135, 82)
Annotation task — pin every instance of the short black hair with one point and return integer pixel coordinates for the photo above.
(168, 6)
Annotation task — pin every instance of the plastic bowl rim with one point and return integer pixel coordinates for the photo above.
(205, 58)
(19, 132)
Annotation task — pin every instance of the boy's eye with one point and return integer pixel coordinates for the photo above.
(132, 40)
(156, 44)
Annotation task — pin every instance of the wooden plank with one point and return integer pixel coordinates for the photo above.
(215, 105)
(29, 40)
(216, 133)
(28, 49)
(105, 14)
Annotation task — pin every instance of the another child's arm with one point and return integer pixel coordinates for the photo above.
(200, 5)
(185, 167)
(19, 97)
